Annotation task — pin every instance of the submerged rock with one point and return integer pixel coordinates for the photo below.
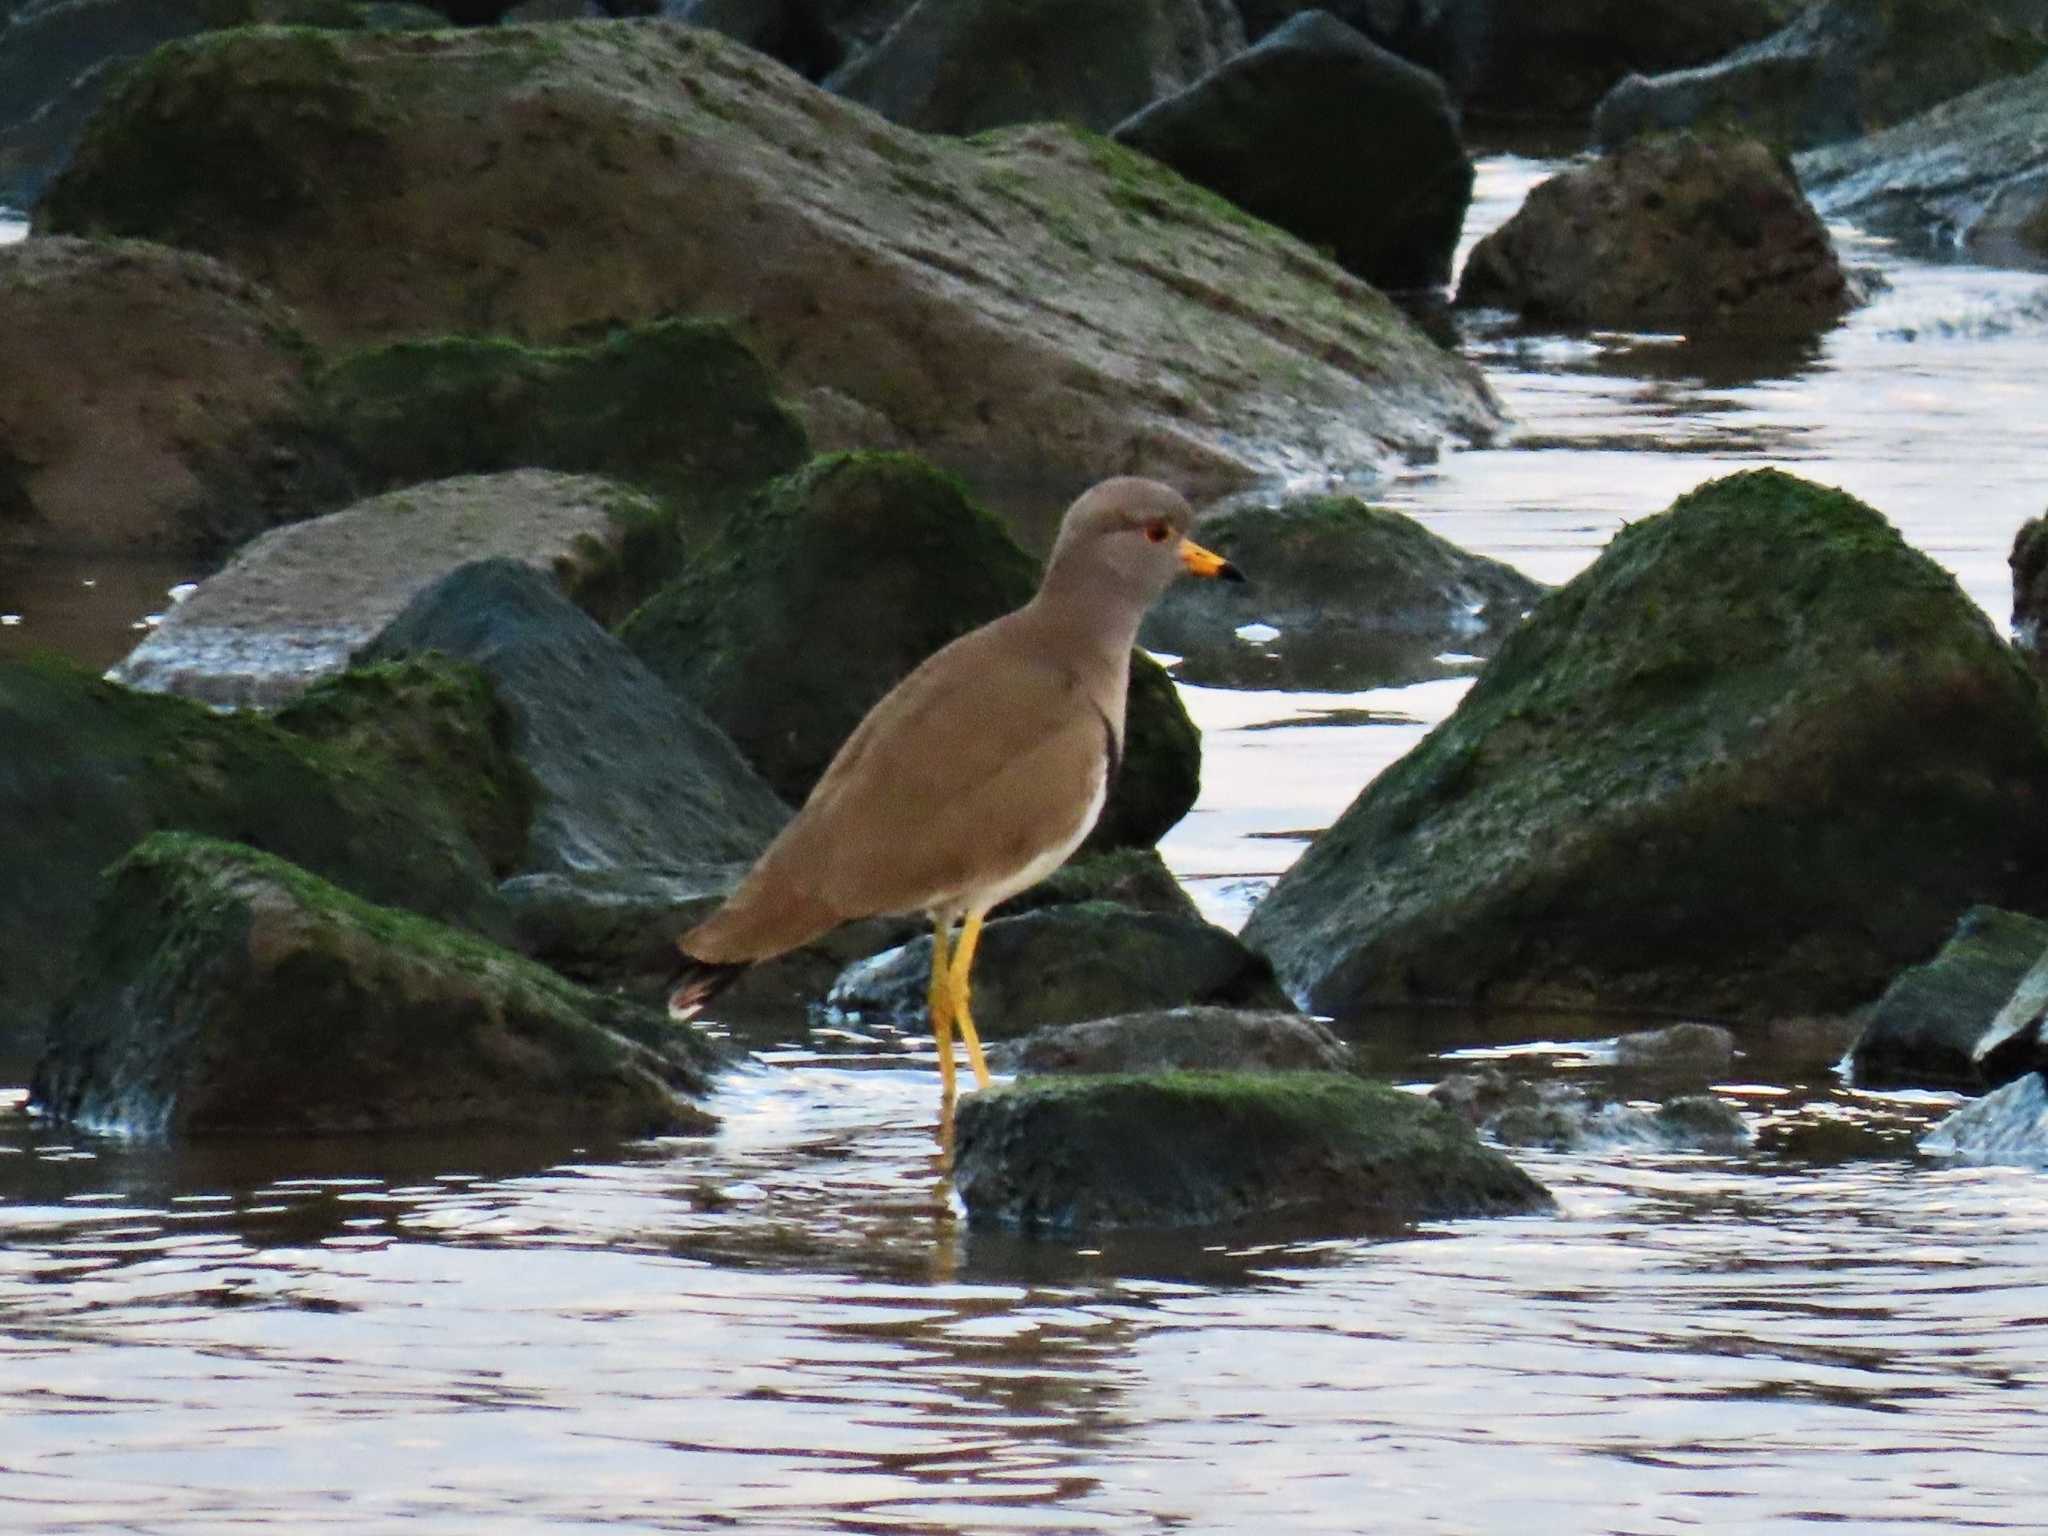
(1563, 1117)
(626, 772)
(1750, 763)
(294, 605)
(1970, 174)
(1836, 71)
(1324, 133)
(151, 400)
(1690, 1050)
(2007, 1125)
(1928, 1028)
(1085, 961)
(227, 991)
(1197, 1149)
(1360, 597)
(88, 768)
(831, 587)
(1038, 305)
(1193, 1039)
(1676, 233)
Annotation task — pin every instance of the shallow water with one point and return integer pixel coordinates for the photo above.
(786, 1326)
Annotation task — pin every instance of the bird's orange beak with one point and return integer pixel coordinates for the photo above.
(1207, 563)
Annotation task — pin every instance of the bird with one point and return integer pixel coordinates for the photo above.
(973, 778)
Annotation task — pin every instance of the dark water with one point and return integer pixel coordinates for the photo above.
(786, 1327)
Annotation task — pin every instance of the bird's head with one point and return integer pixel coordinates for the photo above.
(1134, 534)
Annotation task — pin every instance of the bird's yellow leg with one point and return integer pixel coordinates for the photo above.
(939, 999)
(957, 987)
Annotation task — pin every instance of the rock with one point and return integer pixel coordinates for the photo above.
(1086, 961)
(296, 603)
(58, 58)
(1701, 1051)
(798, 33)
(2008, 1125)
(1319, 130)
(2029, 562)
(152, 400)
(88, 768)
(1038, 307)
(228, 992)
(1361, 598)
(2014, 1044)
(1136, 878)
(959, 66)
(437, 724)
(1193, 1039)
(1676, 233)
(626, 772)
(1197, 1149)
(1971, 173)
(1838, 70)
(1749, 764)
(831, 586)
(677, 408)
(1926, 1029)
(1563, 1117)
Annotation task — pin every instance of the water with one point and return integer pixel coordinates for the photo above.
(787, 1327)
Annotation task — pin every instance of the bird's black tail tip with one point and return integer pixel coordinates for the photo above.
(694, 982)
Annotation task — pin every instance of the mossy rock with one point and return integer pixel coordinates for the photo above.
(679, 408)
(436, 723)
(831, 586)
(1754, 760)
(1933, 1024)
(1063, 1154)
(88, 768)
(229, 992)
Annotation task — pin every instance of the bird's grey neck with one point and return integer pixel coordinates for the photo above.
(1094, 611)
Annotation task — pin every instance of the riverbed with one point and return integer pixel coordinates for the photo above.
(786, 1326)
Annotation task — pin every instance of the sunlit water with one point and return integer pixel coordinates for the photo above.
(787, 1327)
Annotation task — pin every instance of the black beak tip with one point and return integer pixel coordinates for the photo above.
(1231, 573)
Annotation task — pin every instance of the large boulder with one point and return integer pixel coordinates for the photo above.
(959, 66)
(1196, 1038)
(1674, 233)
(1063, 964)
(152, 400)
(831, 586)
(1324, 133)
(88, 768)
(1061, 1154)
(1840, 69)
(1927, 1029)
(625, 772)
(295, 604)
(1752, 762)
(227, 991)
(1038, 306)
(1347, 597)
(1970, 173)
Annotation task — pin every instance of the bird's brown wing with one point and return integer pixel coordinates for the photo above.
(970, 768)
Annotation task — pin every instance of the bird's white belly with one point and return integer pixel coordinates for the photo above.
(986, 895)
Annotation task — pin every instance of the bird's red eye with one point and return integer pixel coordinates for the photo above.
(1157, 531)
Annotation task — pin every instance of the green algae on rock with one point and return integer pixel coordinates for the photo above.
(1062, 1154)
(1754, 760)
(227, 991)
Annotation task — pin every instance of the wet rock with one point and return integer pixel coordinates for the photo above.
(2007, 1125)
(813, 37)
(1699, 1051)
(1749, 764)
(1838, 70)
(677, 408)
(296, 603)
(227, 991)
(1136, 878)
(1675, 233)
(831, 587)
(1361, 598)
(1927, 1029)
(1194, 1039)
(626, 772)
(88, 768)
(1086, 961)
(1324, 133)
(1563, 1117)
(2015, 1042)
(1038, 305)
(151, 400)
(959, 66)
(1970, 174)
(2029, 562)
(1197, 1149)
